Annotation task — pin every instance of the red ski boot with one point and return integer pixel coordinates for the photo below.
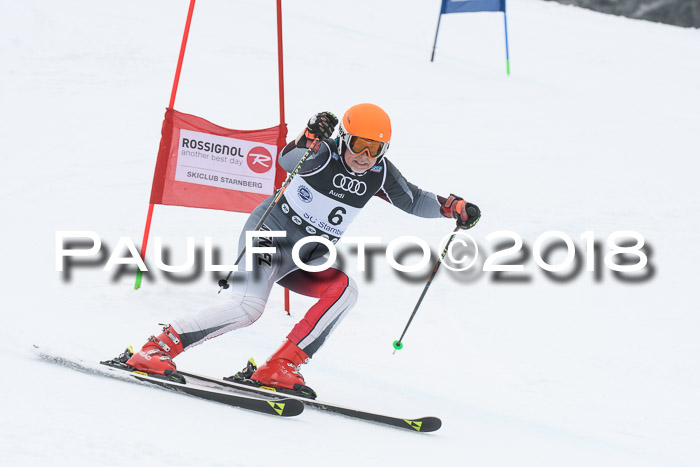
(156, 355)
(281, 371)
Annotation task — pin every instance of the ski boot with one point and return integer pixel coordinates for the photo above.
(280, 373)
(156, 356)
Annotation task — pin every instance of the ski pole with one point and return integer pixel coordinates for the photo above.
(223, 283)
(398, 344)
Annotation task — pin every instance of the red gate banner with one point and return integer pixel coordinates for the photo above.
(204, 165)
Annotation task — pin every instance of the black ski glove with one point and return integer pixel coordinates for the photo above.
(321, 126)
(467, 214)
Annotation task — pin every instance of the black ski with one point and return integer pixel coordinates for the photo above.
(284, 407)
(423, 425)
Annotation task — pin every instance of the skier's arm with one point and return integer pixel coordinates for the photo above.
(321, 125)
(291, 155)
(407, 196)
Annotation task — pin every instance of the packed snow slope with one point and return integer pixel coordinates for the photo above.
(595, 130)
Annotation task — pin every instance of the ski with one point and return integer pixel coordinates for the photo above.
(283, 407)
(230, 393)
(423, 425)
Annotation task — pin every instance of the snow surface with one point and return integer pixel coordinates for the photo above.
(595, 130)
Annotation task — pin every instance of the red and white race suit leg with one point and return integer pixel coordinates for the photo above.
(337, 294)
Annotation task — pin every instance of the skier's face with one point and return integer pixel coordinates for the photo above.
(358, 163)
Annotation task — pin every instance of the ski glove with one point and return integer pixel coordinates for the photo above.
(467, 214)
(321, 126)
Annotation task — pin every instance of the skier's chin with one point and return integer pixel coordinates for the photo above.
(360, 168)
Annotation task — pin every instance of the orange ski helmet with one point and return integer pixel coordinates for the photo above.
(366, 126)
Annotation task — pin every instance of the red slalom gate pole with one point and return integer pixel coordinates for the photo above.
(181, 57)
(280, 61)
(182, 54)
(280, 71)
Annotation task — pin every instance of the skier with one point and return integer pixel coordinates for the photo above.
(333, 184)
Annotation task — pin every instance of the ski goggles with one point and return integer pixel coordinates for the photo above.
(357, 144)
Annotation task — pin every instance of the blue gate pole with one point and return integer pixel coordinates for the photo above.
(505, 25)
(436, 34)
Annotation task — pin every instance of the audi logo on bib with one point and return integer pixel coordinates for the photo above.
(349, 184)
